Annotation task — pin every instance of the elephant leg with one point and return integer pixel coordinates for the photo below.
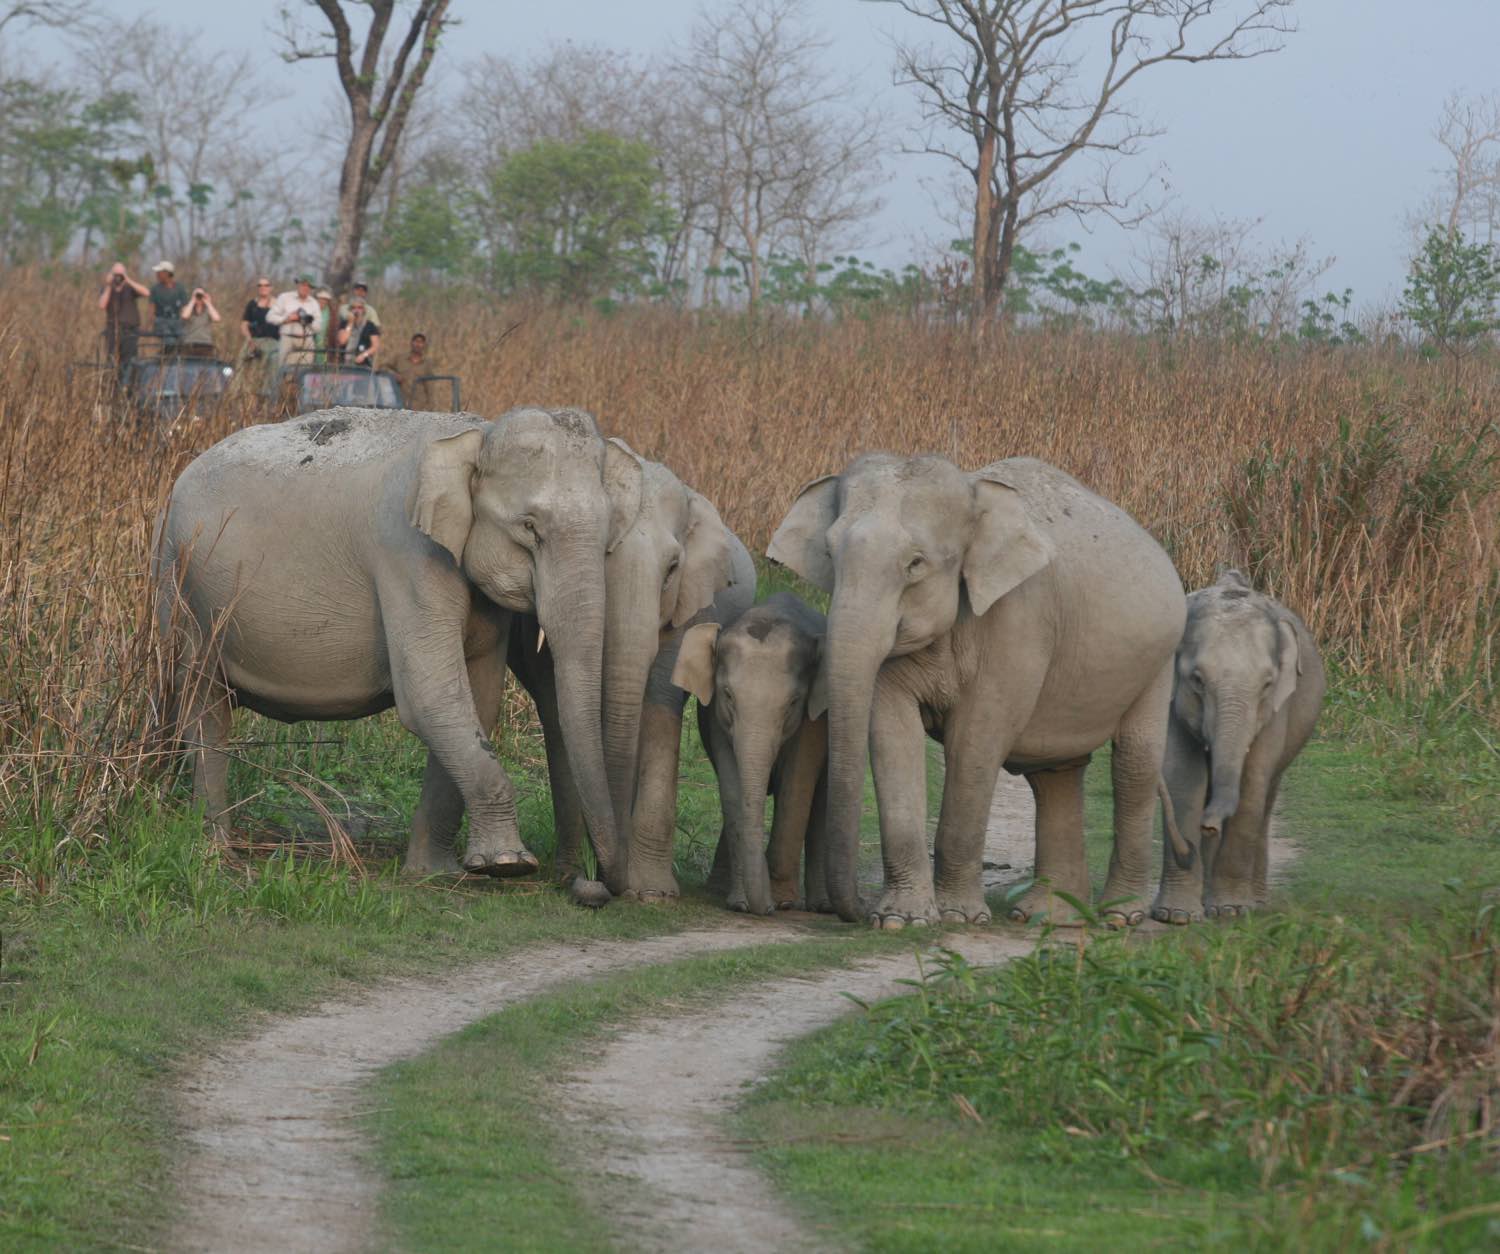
(815, 872)
(654, 816)
(533, 668)
(1230, 890)
(1139, 748)
(436, 701)
(1180, 898)
(435, 824)
(205, 728)
(1261, 884)
(898, 760)
(802, 764)
(976, 738)
(1061, 864)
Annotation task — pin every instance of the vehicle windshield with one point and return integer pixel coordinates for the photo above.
(180, 378)
(320, 389)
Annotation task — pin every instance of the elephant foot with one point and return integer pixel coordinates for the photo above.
(507, 864)
(1179, 911)
(425, 864)
(589, 893)
(741, 906)
(819, 904)
(1121, 908)
(784, 893)
(902, 908)
(1228, 909)
(1041, 902)
(650, 884)
(962, 907)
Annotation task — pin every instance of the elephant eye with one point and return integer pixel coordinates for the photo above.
(529, 525)
(1196, 679)
(914, 566)
(671, 570)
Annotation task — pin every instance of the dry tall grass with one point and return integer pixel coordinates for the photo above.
(1228, 454)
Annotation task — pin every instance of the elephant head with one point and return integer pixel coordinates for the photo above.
(529, 506)
(1236, 666)
(665, 569)
(904, 546)
(755, 677)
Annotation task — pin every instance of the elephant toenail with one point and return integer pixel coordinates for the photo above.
(893, 923)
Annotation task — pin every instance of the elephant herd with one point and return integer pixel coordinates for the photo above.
(337, 565)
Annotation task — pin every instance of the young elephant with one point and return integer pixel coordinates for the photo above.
(752, 680)
(1248, 687)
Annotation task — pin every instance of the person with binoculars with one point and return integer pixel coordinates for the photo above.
(198, 318)
(296, 313)
(122, 314)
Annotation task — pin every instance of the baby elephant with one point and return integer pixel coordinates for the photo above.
(1248, 687)
(753, 681)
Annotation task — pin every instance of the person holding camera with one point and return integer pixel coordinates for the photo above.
(296, 313)
(198, 318)
(122, 313)
(359, 335)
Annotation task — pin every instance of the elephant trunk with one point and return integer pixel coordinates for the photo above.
(1229, 742)
(631, 641)
(754, 755)
(854, 653)
(570, 609)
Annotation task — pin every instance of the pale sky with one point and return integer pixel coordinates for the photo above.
(1330, 139)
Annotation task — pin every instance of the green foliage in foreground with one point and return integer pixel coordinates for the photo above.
(1326, 1060)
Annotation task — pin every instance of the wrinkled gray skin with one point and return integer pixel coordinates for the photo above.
(677, 565)
(362, 559)
(1249, 684)
(752, 679)
(1018, 618)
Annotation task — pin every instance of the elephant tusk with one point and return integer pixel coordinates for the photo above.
(541, 639)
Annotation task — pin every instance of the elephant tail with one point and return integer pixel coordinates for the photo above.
(1181, 850)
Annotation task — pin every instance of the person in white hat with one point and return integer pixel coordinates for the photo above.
(296, 313)
(167, 300)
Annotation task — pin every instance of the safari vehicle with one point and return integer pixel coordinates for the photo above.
(161, 384)
(301, 389)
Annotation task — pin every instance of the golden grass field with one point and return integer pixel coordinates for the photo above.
(1355, 484)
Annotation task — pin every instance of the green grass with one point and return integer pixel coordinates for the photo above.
(1259, 1085)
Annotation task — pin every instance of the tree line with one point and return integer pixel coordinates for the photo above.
(732, 166)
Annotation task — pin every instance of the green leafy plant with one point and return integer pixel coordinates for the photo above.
(1451, 293)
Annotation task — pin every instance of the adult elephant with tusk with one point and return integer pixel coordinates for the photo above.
(335, 566)
(1018, 618)
(1249, 685)
(676, 566)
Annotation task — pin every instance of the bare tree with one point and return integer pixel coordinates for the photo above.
(1211, 277)
(1020, 88)
(59, 14)
(1469, 132)
(792, 161)
(380, 100)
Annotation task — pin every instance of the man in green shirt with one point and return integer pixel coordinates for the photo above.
(167, 300)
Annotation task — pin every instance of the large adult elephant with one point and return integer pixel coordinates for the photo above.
(677, 566)
(354, 560)
(1018, 618)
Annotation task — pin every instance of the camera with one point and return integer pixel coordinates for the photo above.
(304, 317)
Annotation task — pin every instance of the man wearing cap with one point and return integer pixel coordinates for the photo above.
(359, 292)
(296, 313)
(166, 305)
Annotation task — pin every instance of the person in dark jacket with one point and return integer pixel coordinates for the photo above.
(119, 300)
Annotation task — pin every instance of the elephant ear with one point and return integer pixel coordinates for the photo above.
(623, 485)
(705, 559)
(1007, 548)
(1288, 663)
(801, 542)
(441, 502)
(694, 669)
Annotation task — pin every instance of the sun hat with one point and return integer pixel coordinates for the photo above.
(306, 278)
(323, 294)
(163, 265)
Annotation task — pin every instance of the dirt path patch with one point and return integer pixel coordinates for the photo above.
(272, 1146)
(649, 1110)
